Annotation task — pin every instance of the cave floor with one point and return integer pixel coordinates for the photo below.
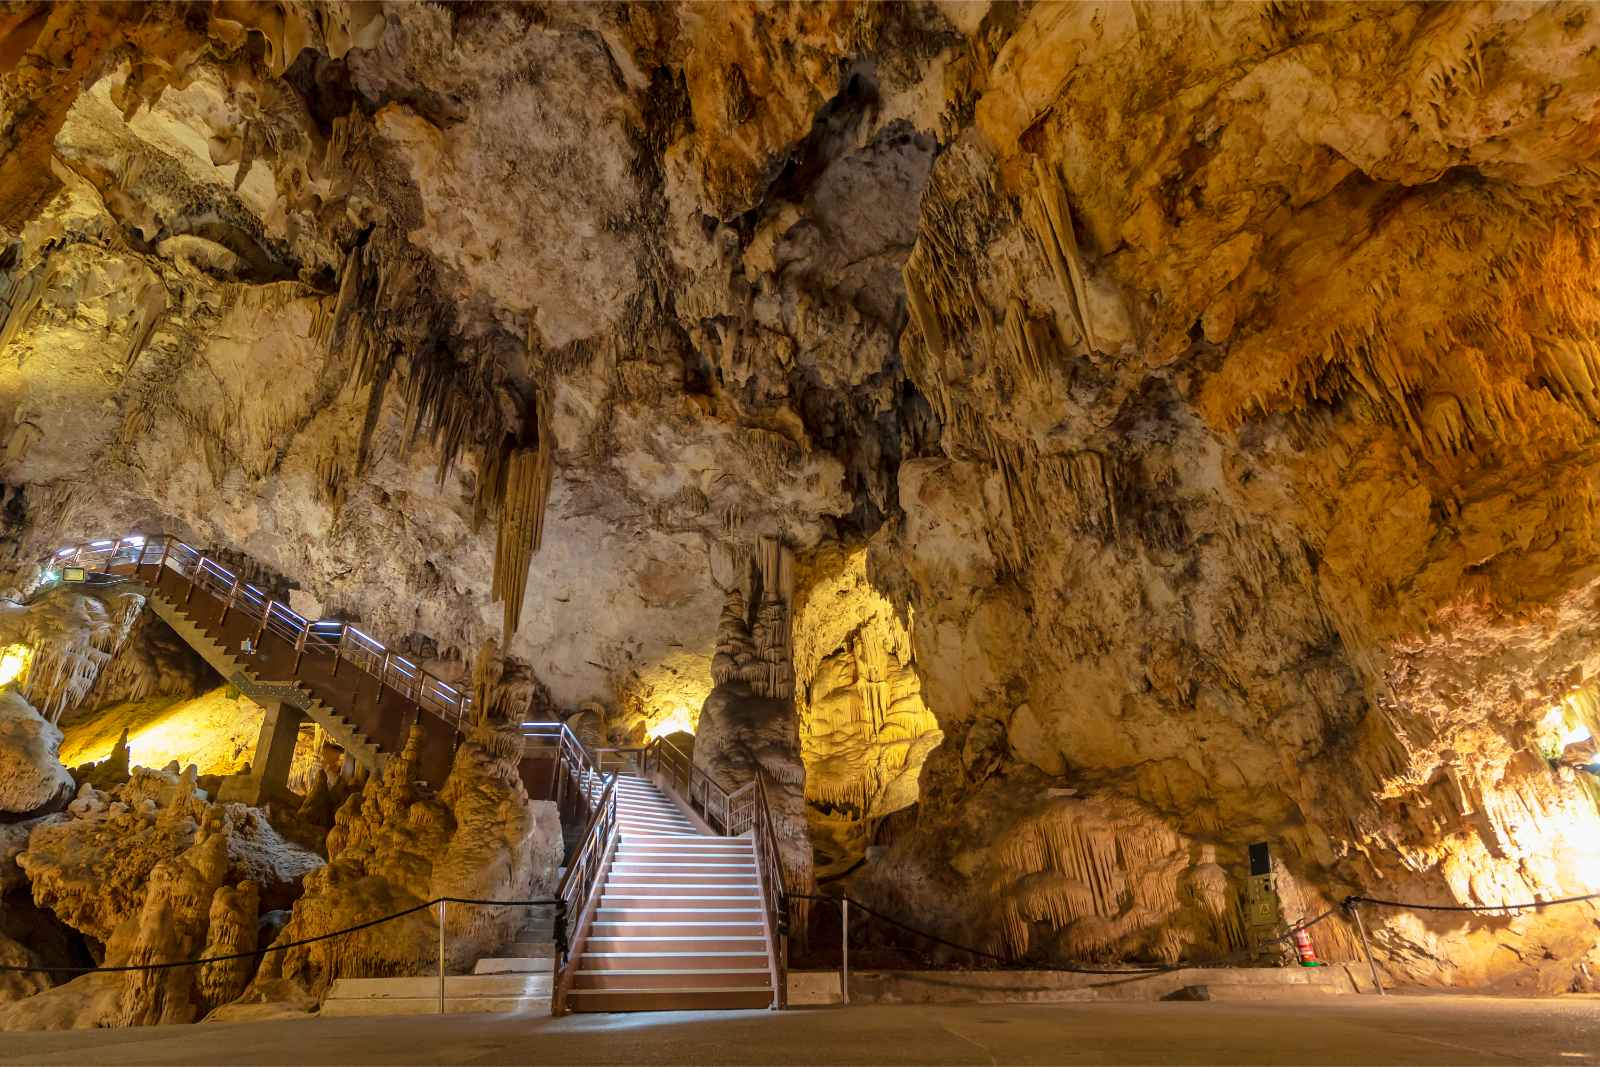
(1344, 1030)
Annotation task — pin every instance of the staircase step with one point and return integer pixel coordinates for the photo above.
(730, 878)
(725, 999)
(673, 979)
(661, 890)
(748, 942)
(630, 929)
(734, 911)
(673, 849)
(674, 897)
(673, 841)
(646, 822)
(686, 869)
(495, 965)
(660, 961)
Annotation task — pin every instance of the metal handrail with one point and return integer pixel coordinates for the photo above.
(578, 772)
(774, 899)
(345, 642)
(730, 814)
(579, 892)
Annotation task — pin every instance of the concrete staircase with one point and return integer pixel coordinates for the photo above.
(341, 729)
(518, 978)
(679, 924)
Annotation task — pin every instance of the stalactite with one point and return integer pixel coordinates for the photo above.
(774, 661)
(151, 306)
(25, 295)
(1051, 222)
(528, 473)
(66, 665)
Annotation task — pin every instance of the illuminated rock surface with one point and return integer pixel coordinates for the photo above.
(1183, 419)
(396, 845)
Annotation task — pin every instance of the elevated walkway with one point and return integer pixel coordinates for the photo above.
(366, 697)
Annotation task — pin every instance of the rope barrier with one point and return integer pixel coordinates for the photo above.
(1353, 900)
(12, 968)
(1128, 972)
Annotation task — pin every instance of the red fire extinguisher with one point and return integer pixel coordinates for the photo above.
(1302, 947)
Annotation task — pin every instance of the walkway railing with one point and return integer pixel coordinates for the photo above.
(579, 892)
(576, 764)
(348, 644)
(730, 814)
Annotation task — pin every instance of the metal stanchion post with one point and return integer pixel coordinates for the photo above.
(844, 956)
(442, 906)
(1366, 946)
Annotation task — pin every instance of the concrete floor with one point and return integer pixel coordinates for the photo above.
(1338, 1030)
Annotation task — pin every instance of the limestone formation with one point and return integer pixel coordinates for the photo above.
(396, 844)
(66, 639)
(93, 870)
(152, 873)
(747, 726)
(32, 780)
(865, 731)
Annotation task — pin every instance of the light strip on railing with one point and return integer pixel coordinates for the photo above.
(370, 640)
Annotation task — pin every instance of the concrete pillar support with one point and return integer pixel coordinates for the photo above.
(269, 770)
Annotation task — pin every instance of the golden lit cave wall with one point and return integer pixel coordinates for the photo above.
(865, 730)
(216, 731)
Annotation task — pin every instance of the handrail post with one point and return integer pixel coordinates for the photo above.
(844, 950)
(227, 605)
(194, 577)
(338, 649)
(442, 906)
(300, 644)
(111, 560)
(261, 630)
(1372, 964)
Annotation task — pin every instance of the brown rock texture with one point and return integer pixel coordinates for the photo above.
(396, 845)
(152, 873)
(1182, 420)
(32, 780)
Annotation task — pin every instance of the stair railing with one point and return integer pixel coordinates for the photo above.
(729, 814)
(579, 892)
(774, 902)
(580, 771)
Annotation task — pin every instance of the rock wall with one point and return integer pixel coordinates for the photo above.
(32, 780)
